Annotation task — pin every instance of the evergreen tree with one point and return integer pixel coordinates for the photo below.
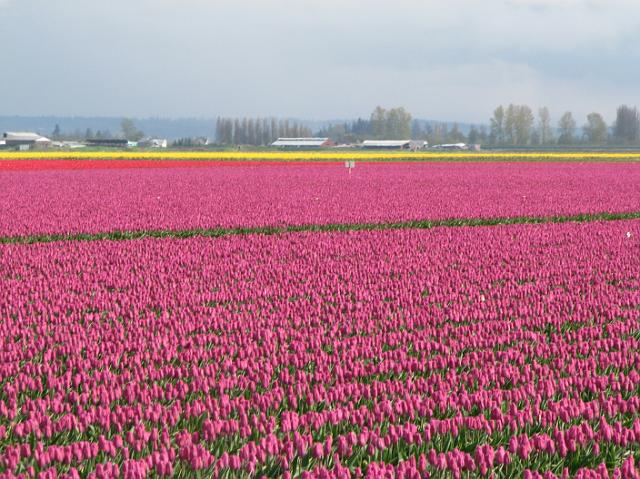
(474, 136)
(56, 134)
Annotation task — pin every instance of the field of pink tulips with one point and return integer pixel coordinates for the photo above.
(505, 351)
(96, 200)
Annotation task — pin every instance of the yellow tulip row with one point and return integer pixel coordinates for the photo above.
(316, 155)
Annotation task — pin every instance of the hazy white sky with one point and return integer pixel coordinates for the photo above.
(317, 59)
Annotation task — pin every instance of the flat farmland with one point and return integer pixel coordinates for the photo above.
(400, 342)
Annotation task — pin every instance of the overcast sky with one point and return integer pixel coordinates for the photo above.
(317, 59)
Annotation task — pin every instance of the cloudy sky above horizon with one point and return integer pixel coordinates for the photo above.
(313, 59)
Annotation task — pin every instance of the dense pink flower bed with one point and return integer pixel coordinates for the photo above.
(510, 350)
(42, 202)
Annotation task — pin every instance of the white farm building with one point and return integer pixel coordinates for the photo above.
(19, 139)
(302, 143)
(393, 145)
(451, 146)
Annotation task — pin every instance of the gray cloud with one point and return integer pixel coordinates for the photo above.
(317, 59)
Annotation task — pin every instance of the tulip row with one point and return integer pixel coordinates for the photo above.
(454, 352)
(107, 164)
(326, 155)
(176, 199)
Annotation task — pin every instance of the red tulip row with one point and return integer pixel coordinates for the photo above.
(232, 196)
(115, 164)
(452, 352)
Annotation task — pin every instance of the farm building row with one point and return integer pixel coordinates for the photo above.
(317, 143)
(30, 140)
(24, 140)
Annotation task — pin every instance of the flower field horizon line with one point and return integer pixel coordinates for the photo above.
(119, 235)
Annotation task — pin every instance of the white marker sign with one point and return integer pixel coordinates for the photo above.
(350, 165)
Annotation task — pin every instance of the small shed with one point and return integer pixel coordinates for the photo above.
(159, 143)
(153, 143)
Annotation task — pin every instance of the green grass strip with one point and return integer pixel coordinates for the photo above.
(273, 230)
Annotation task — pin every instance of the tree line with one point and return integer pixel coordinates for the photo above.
(511, 125)
(128, 128)
(516, 125)
(257, 131)
(398, 124)
(441, 132)
(78, 135)
(392, 124)
(383, 124)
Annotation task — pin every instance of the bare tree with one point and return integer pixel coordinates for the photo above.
(523, 124)
(497, 126)
(378, 122)
(510, 124)
(595, 130)
(129, 130)
(544, 126)
(627, 126)
(567, 127)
